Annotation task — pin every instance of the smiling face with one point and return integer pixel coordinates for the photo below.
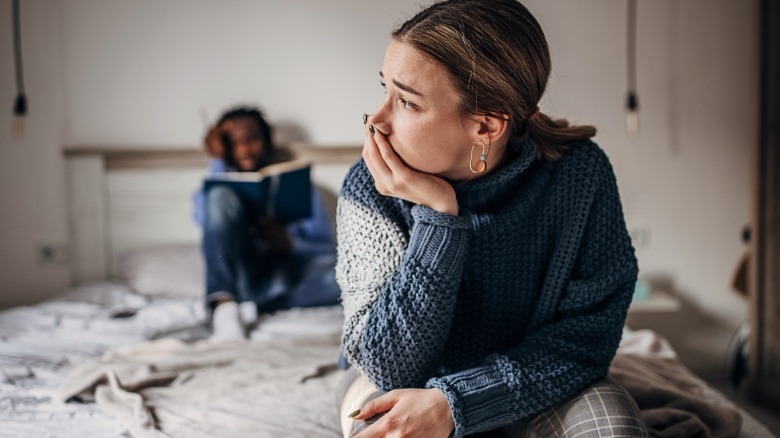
(421, 114)
(245, 141)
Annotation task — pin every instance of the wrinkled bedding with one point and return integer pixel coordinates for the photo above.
(104, 342)
(672, 401)
(41, 345)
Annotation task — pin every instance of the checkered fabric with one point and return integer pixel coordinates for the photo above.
(603, 410)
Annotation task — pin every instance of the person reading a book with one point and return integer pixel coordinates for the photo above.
(483, 257)
(257, 260)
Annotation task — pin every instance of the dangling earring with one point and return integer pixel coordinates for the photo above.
(482, 162)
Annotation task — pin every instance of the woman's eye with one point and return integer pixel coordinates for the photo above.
(384, 86)
(406, 104)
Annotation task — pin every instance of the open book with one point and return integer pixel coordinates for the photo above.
(280, 191)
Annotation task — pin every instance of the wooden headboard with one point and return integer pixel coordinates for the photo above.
(125, 198)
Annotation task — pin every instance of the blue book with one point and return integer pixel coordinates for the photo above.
(279, 191)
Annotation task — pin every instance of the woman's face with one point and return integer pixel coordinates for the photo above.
(421, 116)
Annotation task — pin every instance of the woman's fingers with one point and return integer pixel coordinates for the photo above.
(367, 157)
(379, 405)
(393, 176)
(372, 155)
(388, 155)
(418, 413)
(382, 174)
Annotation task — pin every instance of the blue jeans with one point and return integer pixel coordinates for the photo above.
(241, 267)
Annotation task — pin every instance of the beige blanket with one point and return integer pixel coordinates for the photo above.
(167, 388)
(672, 401)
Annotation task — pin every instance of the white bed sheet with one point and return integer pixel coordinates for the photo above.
(41, 344)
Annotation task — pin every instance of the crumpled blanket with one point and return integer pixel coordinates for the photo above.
(286, 388)
(168, 388)
(671, 399)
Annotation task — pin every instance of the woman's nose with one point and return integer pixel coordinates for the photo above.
(379, 120)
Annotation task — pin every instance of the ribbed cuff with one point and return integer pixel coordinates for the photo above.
(425, 214)
(438, 240)
(479, 399)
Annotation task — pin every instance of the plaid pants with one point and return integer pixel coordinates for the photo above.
(604, 409)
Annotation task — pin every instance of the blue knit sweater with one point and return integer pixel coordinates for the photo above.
(509, 308)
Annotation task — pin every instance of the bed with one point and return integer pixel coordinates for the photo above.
(122, 353)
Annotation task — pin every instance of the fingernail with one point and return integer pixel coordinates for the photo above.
(365, 118)
(354, 413)
(371, 129)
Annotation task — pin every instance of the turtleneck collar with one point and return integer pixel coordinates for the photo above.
(473, 194)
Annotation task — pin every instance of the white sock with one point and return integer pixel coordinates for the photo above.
(226, 323)
(248, 311)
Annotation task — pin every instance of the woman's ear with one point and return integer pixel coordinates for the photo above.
(493, 125)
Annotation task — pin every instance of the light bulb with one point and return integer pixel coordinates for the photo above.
(20, 111)
(632, 123)
(632, 114)
(17, 127)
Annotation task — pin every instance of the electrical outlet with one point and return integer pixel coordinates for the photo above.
(640, 237)
(52, 254)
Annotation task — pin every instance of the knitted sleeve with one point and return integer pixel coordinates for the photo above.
(560, 358)
(398, 285)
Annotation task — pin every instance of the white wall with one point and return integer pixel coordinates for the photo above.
(141, 72)
(31, 169)
(687, 180)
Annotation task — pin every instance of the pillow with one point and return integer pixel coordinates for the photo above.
(174, 270)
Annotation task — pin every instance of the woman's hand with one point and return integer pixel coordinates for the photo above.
(410, 413)
(394, 178)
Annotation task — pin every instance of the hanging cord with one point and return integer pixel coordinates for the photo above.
(631, 46)
(20, 105)
(632, 100)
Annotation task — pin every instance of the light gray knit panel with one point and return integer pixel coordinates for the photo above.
(363, 269)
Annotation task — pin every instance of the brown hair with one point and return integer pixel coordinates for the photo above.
(497, 55)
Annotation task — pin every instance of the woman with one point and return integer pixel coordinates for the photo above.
(258, 261)
(483, 257)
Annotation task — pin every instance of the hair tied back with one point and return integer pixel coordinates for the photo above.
(534, 115)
